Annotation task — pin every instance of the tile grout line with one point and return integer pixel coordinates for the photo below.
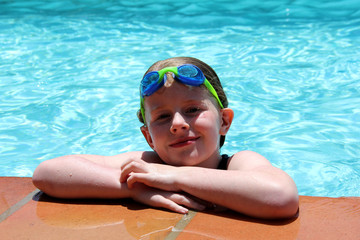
(180, 225)
(18, 205)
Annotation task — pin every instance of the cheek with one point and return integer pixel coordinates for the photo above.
(157, 134)
(207, 121)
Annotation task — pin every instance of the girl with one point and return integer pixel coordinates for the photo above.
(185, 115)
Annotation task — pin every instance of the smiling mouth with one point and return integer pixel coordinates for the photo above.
(184, 142)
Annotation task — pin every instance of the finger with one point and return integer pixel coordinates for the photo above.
(133, 166)
(157, 198)
(160, 201)
(125, 169)
(130, 162)
(187, 201)
(153, 180)
(126, 162)
(138, 177)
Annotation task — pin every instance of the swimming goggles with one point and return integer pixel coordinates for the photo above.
(187, 74)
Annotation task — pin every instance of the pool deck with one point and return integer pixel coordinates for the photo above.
(26, 213)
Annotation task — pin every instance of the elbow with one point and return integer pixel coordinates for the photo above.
(42, 177)
(38, 178)
(284, 202)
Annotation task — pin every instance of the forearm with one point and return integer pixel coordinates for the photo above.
(255, 193)
(75, 177)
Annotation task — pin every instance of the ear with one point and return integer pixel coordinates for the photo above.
(146, 133)
(227, 115)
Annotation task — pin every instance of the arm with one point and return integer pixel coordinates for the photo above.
(86, 176)
(264, 192)
(251, 185)
(92, 176)
(78, 177)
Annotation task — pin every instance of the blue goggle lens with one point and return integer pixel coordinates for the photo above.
(150, 84)
(191, 75)
(188, 71)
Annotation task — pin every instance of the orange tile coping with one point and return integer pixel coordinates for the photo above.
(12, 190)
(26, 213)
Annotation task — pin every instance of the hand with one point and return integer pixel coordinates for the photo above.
(153, 175)
(159, 198)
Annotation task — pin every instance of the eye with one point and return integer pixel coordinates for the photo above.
(163, 116)
(193, 110)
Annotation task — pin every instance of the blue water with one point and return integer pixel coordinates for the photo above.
(69, 74)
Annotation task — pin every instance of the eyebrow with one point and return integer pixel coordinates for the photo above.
(192, 99)
(187, 102)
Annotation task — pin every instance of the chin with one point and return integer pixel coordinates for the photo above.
(185, 158)
(181, 162)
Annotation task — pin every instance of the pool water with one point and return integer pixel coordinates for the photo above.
(69, 75)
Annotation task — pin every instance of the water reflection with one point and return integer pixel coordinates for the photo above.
(124, 216)
(136, 221)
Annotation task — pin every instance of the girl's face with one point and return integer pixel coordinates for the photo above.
(184, 125)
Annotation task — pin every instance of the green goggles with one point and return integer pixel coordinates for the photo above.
(187, 74)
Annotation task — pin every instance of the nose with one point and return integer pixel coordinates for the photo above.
(179, 124)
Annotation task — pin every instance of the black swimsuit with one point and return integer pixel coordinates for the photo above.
(223, 162)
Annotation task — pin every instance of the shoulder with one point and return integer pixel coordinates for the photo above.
(247, 160)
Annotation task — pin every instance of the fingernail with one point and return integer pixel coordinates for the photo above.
(184, 211)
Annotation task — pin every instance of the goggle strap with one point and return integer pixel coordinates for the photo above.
(165, 70)
(212, 91)
(142, 109)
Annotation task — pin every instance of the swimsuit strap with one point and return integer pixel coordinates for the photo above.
(223, 162)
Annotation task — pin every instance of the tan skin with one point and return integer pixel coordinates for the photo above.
(184, 125)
